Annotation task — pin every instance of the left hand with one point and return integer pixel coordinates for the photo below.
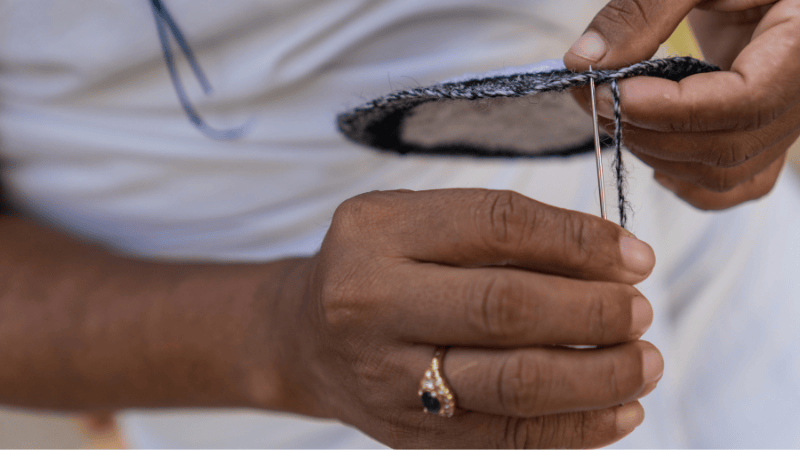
(716, 139)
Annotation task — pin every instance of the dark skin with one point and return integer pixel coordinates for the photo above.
(348, 332)
(716, 140)
(84, 329)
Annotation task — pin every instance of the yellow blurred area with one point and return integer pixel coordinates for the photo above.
(682, 43)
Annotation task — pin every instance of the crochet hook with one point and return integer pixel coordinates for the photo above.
(598, 154)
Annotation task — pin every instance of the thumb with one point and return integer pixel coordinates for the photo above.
(626, 32)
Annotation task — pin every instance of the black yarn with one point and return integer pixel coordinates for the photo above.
(378, 124)
(163, 17)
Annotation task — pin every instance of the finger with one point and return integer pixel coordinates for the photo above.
(493, 307)
(722, 35)
(627, 31)
(714, 148)
(700, 198)
(762, 85)
(589, 429)
(539, 381)
(710, 178)
(716, 179)
(473, 227)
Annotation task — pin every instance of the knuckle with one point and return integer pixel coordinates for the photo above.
(770, 107)
(578, 231)
(501, 218)
(336, 302)
(576, 430)
(571, 430)
(496, 313)
(352, 207)
(605, 323)
(517, 433)
(523, 385)
(738, 151)
(368, 210)
(691, 119)
(350, 214)
(598, 320)
(628, 13)
(347, 295)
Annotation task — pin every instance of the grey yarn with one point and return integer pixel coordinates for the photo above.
(619, 166)
(379, 123)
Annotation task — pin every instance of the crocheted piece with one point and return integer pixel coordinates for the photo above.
(511, 115)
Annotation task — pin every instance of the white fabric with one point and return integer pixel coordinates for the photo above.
(98, 145)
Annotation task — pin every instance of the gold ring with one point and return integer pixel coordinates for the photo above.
(435, 393)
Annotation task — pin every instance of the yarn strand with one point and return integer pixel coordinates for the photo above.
(619, 165)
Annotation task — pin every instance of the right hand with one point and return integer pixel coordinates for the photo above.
(503, 280)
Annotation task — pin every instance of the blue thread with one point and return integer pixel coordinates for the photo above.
(162, 16)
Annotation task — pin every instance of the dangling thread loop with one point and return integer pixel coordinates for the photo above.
(162, 17)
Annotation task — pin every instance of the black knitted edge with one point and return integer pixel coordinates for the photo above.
(378, 124)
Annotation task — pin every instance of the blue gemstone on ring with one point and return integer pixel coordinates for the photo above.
(430, 403)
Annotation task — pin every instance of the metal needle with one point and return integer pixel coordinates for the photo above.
(598, 154)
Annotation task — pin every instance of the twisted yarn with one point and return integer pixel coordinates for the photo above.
(619, 166)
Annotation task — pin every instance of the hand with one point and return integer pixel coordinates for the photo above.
(717, 139)
(503, 280)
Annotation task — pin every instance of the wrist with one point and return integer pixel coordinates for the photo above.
(277, 349)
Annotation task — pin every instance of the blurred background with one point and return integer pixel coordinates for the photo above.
(26, 429)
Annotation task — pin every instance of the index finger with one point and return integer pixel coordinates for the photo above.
(474, 227)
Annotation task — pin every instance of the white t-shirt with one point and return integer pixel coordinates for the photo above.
(97, 144)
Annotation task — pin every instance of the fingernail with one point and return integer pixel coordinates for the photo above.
(653, 365)
(591, 47)
(642, 314)
(637, 256)
(629, 417)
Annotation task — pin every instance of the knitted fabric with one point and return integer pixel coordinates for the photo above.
(403, 121)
